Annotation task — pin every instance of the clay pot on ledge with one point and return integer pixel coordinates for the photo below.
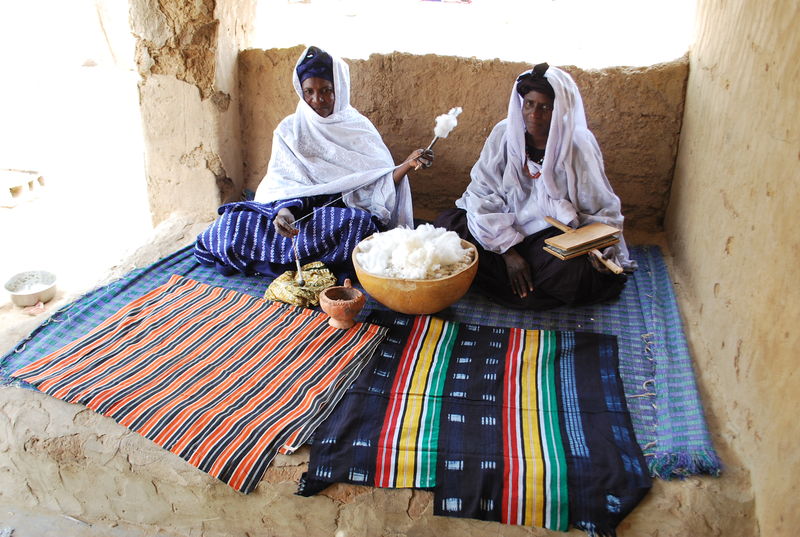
(342, 303)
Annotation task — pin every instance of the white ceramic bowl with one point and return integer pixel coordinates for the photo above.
(28, 288)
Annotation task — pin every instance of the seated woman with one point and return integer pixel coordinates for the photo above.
(541, 160)
(330, 182)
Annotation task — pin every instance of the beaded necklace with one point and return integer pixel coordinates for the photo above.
(534, 154)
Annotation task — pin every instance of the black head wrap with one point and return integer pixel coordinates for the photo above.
(317, 63)
(535, 81)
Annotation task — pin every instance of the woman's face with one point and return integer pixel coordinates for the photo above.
(318, 93)
(537, 111)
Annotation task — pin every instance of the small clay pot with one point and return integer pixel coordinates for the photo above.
(342, 303)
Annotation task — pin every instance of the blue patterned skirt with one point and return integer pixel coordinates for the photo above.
(243, 239)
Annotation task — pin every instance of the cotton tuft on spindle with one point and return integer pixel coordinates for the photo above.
(446, 122)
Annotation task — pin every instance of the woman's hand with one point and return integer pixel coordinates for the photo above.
(423, 158)
(519, 273)
(284, 223)
(419, 158)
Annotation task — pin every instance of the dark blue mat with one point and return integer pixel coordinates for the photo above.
(654, 360)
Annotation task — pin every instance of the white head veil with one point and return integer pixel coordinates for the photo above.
(339, 154)
(505, 205)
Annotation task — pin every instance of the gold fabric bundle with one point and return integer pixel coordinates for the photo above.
(285, 289)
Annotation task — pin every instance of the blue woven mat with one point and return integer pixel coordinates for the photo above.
(655, 364)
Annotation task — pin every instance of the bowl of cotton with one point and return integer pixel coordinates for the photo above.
(416, 271)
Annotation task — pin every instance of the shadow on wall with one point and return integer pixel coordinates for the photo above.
(635, 113)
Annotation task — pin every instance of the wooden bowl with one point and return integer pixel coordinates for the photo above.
(417, 297)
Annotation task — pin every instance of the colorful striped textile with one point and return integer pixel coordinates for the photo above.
(244, 240)
(526, 427)
(219, 378)
(654, 359)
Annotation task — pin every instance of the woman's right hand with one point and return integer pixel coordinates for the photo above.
(419, 158)
(519, 273)
(423, 158)
(284, 223)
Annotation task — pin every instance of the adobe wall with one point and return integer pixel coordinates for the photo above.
(186, 56)
(635, 114)
(736, 247)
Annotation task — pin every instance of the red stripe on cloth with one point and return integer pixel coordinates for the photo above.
(279, 353)
(296, 409)
(122, 346)
(511, 433)
(384, 472)
(293, 441)
(289, 411)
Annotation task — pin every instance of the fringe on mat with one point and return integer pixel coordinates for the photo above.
(669, 466)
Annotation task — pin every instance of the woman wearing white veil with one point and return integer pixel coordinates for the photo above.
(541, 160)
(324, 151)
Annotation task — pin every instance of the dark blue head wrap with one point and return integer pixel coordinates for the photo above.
(535, 81)
(317, 63)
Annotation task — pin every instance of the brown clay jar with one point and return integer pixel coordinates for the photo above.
(342, 303)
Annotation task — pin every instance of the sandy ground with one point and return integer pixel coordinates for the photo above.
(16, 324)
(672, 508)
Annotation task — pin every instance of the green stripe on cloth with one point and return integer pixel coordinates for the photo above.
(558, 508)
(429, 437)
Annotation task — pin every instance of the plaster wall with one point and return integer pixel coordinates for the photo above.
(635, 114)
(735, 245)
(186, 55)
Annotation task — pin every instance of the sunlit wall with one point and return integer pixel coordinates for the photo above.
(586, 33)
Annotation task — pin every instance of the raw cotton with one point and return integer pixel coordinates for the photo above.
(414, 254)
(446, 122)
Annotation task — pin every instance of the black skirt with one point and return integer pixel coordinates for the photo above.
(573, 282)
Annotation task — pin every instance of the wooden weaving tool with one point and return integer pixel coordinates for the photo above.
(585, 240)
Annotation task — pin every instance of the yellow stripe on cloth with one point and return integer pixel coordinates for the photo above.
(533, 508)
(409, 431)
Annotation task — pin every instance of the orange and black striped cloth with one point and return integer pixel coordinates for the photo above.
(222, 379)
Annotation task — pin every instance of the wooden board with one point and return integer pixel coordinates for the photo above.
(584, 238)
(580, 251)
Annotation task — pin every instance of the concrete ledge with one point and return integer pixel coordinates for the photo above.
(19, 185)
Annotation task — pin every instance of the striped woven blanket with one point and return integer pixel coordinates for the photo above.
(525, 427)
(222, 379)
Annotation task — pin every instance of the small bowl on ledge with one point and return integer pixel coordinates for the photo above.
(31, 287)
